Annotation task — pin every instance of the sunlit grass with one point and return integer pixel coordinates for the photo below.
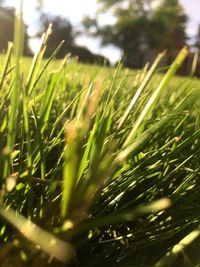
(99, 166)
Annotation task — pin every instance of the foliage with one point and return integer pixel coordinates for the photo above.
(169, 18)
(63, 30)
(142, 27)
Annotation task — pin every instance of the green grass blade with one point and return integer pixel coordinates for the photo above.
(6, 64)
(36, 62)
(49, 243)
(144, 83)
(170, 257)
(151, 103)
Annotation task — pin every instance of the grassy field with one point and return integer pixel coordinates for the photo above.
(98, 166)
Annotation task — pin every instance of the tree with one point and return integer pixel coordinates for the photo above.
(141, 26)
(168, 26)
(63, 30)
(130, 31)
(7, 22)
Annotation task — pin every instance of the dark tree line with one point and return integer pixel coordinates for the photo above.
(63, 30)
(142, 28)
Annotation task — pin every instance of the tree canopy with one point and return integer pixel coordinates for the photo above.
(169, 25)
(142, 26)
(62, 29)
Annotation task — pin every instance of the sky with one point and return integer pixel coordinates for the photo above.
(74, 10)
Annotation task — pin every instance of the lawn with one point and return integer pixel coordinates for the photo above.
(99, 166)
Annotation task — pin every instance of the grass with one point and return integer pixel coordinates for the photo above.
(98, 166)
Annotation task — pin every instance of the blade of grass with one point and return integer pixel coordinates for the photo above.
(15, 93)
(144, 83)
(35, 66)
(6, 64)
(170, 257)
(49, 243)
(53, 55)
(152, 101)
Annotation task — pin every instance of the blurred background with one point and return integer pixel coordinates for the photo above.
(107, 30)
